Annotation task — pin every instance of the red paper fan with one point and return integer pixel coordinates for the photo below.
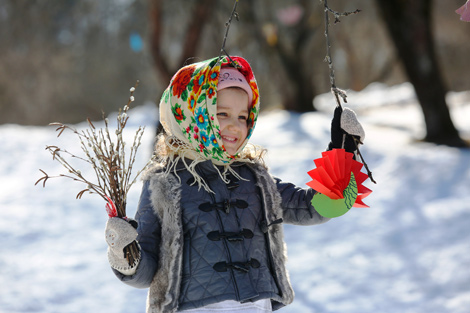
(332, 175)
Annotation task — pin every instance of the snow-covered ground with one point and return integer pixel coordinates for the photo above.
(408, 252)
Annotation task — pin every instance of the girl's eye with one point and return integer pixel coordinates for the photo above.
(242, 117)
(222, 114)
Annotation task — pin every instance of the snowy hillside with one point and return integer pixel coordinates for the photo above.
(409, 252)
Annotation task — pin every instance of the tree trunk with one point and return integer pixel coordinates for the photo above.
(190, 42)
(303, 91)
(156, 30)
(298, 89)
(201, 12)
(409, 24)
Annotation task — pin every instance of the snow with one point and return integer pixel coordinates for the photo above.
(408, 252)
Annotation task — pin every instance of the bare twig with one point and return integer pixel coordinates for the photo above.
(108, 160)
(227, 27)
(337, 15)
(338, 93)
(369, 173)
(45, 178)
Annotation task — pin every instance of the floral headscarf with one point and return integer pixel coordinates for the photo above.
(188, 109)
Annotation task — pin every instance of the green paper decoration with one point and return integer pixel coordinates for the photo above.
(330, 208)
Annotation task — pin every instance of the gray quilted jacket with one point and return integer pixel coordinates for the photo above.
(200, 248)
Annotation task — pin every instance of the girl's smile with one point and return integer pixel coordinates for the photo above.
(232, 113)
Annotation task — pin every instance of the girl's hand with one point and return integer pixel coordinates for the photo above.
(119, 234)
(346, 131)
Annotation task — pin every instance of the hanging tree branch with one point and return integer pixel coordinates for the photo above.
(339, 14)
(338, 93)
(335, 90)
(227, 27)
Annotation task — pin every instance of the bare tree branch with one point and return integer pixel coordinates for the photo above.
(108, 159)
(338, 93)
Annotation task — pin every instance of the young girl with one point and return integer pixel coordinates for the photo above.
(209, 218)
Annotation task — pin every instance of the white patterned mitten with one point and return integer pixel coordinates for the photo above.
(119, 234)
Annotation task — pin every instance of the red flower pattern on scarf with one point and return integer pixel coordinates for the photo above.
(181, 79)
(179, 114)
(213, 76)
(198, 81)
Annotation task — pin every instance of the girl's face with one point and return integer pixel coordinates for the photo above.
(232, 113)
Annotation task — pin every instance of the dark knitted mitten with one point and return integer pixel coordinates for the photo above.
(346, 131)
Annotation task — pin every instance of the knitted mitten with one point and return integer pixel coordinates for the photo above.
(345, 128)
(120, 233)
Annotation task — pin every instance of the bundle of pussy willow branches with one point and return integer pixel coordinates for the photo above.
(105, 152)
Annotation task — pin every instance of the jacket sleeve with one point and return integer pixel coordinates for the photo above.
(149, 234)
(296, 205)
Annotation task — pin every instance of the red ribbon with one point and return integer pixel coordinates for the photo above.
(111, 208)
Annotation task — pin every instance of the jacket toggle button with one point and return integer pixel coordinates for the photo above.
(239, 266)
(223, 206)
(230, 236)
(265, 226)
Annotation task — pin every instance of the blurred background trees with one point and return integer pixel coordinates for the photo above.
(65, 60)
(68, 60)
(410, 27)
